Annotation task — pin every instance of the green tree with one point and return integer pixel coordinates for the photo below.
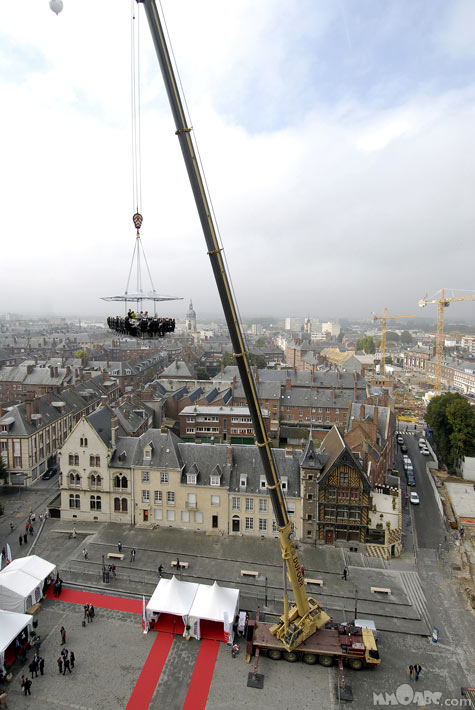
(367, 344)
(452, 419)
(406, 337)
(254, 359)
(80, 354)
(201, 373)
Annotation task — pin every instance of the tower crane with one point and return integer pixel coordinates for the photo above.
(384, 319)
(442, 303)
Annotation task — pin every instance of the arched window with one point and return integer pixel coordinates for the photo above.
(125, 482)
(117, 505)
(94, 461)
(96, 480)
(96, 503)
(74, 478)
(121, 481)
(124, 505)
(83, 442)
(74, 500)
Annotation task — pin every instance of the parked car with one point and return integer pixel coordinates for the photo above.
(414, 498)
(425, 452)
(49, 473)
(422, 442)
(400, 439)
(404, 448)
(411, 481)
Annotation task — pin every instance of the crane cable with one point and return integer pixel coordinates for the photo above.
(135, 108)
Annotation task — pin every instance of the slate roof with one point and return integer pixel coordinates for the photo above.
(100, 420)
(323, 398)
(384, 414)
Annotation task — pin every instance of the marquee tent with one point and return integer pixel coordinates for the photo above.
(34, 565)
(11, 625)
(215, 603)
(172, 596)
(18, 590)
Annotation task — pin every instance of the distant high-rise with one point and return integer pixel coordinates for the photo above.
(293, 323)
(190, 320)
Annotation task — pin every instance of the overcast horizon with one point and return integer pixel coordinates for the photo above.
(337, 141)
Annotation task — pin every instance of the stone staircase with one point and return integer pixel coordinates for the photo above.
(416, 596)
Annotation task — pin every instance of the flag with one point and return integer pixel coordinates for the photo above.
(144, 617)
(9, 553)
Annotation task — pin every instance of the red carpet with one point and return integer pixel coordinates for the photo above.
(202, 675)
(101, 601)
(148, 679)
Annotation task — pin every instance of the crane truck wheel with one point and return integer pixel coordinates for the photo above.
(275, 654)
(290, 656)
(310, 658)
(355, 664)
(325, 661)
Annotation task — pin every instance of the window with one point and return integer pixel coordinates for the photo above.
(214, 500)
(145, 496)
(74, 500)
(95, 503)
(309, 496)
(284, 482)
(96, 481)
(121, 482)
(290, 507)
(116, 505)
(263, 505)
(171, 515)
(310, 477)
(145, 476)
(243, 481)
(331, 493)
(124, 504)
(355, 494)
(94, 461)
(185, 516)
(191, 479)
(158, 514)
(249, 504)
(157, 497)
(236, 503)
(170, 498)
(164, 477)
(215, 480)
(147, 454)
(74, 460)
(262, 525)
(330, 512)
(249, 523)
(262, 482)
(354, 514)
(198, 517)
(274, 527)
(344, 493)
(74, 479)
(83, 442)
(344, 477)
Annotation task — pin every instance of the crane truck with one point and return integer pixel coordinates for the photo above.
(301, 624)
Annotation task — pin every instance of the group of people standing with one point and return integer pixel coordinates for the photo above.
(66, 661)
(89, 612)
(414, 671)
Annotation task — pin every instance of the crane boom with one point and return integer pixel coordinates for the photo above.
(442, 303)
(384, 318)
(306, 616)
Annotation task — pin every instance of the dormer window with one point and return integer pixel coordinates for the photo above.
(147, 454)
(191, 479)
(284, 483)
(214, 480)
(262, 482)
(243, 480)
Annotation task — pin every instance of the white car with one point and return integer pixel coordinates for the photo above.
(422, 443)
(414, 498)
(425, 451)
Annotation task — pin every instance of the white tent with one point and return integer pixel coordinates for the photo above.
(18, 590)
(172, 596)
(35, 566)
(11, 625)
(214, 603)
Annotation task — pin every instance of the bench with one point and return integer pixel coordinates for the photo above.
(34, 609)
(380, 590)
(249, 573)
(115, 555)
(318, 582)
(183, 565)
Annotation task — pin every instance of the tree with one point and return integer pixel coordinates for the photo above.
(201, 373)
(80, 354)
(452, 419)
(406, 337)
(254, 359)
(366, 344)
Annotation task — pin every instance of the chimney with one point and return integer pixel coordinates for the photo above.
(333, 395)
(288, 384)
(114, 430)
(56, 371)
(51, 371)
(354, 391)
(230, 455)
(103, 400)
(375, 415)
(28, 410)
(29, 369)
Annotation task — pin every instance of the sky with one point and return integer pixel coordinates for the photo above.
(337, 140)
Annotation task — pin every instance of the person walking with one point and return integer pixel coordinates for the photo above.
(42, 666)
(26, 685)
(345, 574)
(160, 570)
(63, 635)
(25, 539)
(410, 670)
(177, 564)
(417, 670)
(20, 540)
(85, 554)
(72, 659)
(119, 546)
(132, 554)
(86, 610)
(92, 612)
(33, 668)
(66, 665)
(38, 643)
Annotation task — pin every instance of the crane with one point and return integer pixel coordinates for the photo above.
(384, 319)
(442, 303)
(305, 616)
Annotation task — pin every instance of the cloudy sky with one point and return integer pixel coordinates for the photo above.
(337, 138)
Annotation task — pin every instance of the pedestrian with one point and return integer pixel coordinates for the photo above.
(177, 564)
(42, 666)
(37, 643)
(25, 538)
(60, 586)
(462, 532)
(60, 664)
(66, 665)
(85, 553)
(113, 569)
(33, 668)
(411, 672)
(72, 659)
(302, 569)
(27, 525)
(63, 635)
(20, 540)
(417, 670)
(30, 530)
(86, 610)
(132, 554)
(119, 546)
(92, 613)
(160, 570)
(64, 653)
(345, 574)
